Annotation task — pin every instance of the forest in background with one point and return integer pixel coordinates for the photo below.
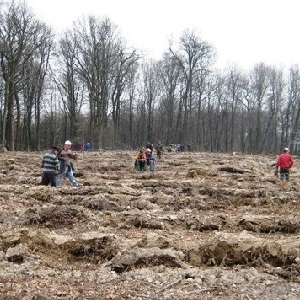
(87, 85)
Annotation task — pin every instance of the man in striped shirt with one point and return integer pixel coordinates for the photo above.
(50, 165)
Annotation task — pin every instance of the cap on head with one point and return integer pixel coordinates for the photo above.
(148, 150)
(54, 148)
(286, 149)
(68, 142)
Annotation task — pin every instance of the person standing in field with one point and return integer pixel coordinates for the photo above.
(150, 159)
(283, 164)
(149, 146)
(66, 158)
(159, 150)
(50, 165)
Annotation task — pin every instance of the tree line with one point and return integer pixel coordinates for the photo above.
(88, 85)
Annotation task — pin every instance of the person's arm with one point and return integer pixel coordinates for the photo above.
(57, 164)
(73, 155)
(277, 166)
(278, 162)
(60, 157)
(292, 162)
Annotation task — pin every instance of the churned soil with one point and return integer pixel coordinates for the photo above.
(201, 226)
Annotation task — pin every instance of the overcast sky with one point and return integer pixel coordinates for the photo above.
(244, 32)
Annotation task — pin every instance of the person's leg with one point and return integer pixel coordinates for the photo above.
(52, 178)
(151, 165)
(71, 177)
(58, 179)
(136, 165)
(61, 174)
(141, 165)
(287, 175)
(284, 174)
(45, 180)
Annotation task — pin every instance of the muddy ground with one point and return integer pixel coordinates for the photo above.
(202, 226)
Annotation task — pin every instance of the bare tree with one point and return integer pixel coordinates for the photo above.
(150, 93)
(128, 112)
(194, 57)
(258, 85)
(124, 67)
(235, 84)
(98, 44)
(21, 39)
(274, 103)
(292, 111)
(169, 74)
(214, 94)
(71, 88)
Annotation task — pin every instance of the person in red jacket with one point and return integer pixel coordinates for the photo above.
(284, 163)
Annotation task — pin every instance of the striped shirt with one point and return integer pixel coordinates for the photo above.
(50, 163)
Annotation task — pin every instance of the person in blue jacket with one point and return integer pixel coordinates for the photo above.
(150, 159)
(87, 146)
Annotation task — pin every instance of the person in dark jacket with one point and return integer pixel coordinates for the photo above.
(159, 150)
(149, 146)
(284, 163)
(50, 165)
